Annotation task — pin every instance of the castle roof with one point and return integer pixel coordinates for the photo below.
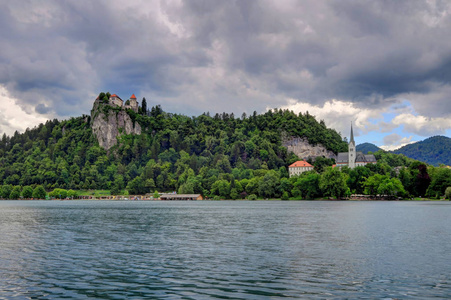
(116, 96)
(133, 96)
(300, 163)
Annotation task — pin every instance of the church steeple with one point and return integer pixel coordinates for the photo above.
(351, 151)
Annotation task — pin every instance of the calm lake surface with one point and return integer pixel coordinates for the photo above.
(225, 250)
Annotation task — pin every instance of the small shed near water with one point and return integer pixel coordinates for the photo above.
(181, 197)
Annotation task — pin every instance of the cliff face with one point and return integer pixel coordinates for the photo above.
(108, 123)
(302, 148)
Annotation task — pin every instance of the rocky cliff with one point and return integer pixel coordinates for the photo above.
(302, 148)
(108, 122)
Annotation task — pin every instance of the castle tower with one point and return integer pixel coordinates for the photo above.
(134, 103)
(351, 151)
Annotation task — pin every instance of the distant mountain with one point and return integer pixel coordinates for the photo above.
(434, 150)
(367, 147)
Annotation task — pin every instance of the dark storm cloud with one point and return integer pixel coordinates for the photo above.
(42, 109)
(226, 55)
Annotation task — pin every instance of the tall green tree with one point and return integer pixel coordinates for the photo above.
(267, 186)
(144, 106)
(333, 183)
(308, 185)
(372, 184)
(441, 179)
(391, 187)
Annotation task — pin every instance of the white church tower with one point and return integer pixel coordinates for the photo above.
(351, 151)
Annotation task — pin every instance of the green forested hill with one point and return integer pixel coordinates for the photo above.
(175, 152)
(367, 147)
(434, 150)
(218, 156)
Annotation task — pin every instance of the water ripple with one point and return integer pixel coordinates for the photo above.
(224, 250)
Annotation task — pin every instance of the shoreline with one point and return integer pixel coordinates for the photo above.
(257, 200)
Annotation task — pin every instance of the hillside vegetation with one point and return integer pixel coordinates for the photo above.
(171, 149)
(218, 156)
(367, 147)
(435, 150)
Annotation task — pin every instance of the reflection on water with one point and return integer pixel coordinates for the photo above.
(227, 249)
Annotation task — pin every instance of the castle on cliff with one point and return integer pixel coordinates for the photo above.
(115, 100)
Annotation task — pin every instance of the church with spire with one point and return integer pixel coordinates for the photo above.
(352, 158)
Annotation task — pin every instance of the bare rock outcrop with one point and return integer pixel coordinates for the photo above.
(302, 148)
(107, 124)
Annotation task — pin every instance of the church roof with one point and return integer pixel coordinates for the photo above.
(352, 135)
(133, 96)
(359, 157)
(342, 157)
(370, 158)
(300, 163)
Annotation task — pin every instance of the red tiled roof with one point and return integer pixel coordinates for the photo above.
(300, 163)
(133, 96)
(114, 95)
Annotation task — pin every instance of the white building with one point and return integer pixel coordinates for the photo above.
(116, 100)
(299, 167)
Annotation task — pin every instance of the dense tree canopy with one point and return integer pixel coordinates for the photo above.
(220, 156)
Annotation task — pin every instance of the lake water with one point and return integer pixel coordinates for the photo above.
(224, 249)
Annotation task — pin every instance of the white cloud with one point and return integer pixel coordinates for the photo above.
(422, 125)
(338, 114)
(395, 141)
(13, 117)
(216, 56)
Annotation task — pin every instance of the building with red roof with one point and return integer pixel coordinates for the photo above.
(299, 167)
(115, 99)
(132, 103)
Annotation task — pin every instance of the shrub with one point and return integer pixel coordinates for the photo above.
(448, 193)
(27, 192)
(15, 193)
(252, 197)
(58, 193)
(6, 191)
(39, 192)
(285, 196)
(72, 194)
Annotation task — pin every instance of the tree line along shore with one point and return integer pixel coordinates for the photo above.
(218, 156)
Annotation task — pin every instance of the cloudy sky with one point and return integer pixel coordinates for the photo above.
(383, 65)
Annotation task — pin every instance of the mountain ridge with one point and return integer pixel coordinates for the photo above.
(434, 150)
(367, 147)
